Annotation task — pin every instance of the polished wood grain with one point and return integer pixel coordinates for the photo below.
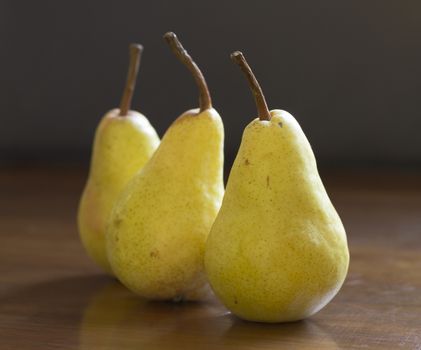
(53, 297)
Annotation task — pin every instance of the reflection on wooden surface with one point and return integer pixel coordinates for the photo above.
(53, 297)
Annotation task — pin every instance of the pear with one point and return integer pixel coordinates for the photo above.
(277, 251)
(124, 142)
(159, 225)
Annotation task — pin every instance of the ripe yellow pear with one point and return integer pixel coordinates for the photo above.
(158, 228)
(124, 142)
(277, 251)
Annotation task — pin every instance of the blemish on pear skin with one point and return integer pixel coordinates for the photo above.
(178, 299)
(267, 181)
(154, 254)
(246, 162)
(280, 124)
(235, 300)
(117, 222)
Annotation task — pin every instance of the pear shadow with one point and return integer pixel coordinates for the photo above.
(96, 311)
(117, 319)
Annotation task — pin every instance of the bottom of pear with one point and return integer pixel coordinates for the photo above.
(289, 315)
(198, 291)
(270, 320)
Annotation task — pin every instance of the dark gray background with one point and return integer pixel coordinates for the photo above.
(349, 71)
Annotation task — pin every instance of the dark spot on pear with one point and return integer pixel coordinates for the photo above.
(280, 124)
(154, 254)
(267, 181)
(246, 162)
(235, 300)
(178, 299)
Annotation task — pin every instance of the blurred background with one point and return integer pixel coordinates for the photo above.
(349, 71)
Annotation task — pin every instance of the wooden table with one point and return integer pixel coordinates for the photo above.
(53, 297)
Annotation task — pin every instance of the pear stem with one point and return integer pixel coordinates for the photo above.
(135, 51)
(262, 107)
(205, 101)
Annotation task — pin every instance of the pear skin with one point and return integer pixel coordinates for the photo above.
(122, 147)
(277, 251)
(158, 228)
(124, 141)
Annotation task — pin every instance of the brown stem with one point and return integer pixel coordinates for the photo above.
(205, 101)
(262, 107)
(126, 100)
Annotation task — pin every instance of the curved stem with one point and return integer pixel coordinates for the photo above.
(205, 101)
(126, 100)
(262, 107)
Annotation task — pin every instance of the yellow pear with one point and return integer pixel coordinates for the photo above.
(124, 142)
(158, 228)
(277, 251)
